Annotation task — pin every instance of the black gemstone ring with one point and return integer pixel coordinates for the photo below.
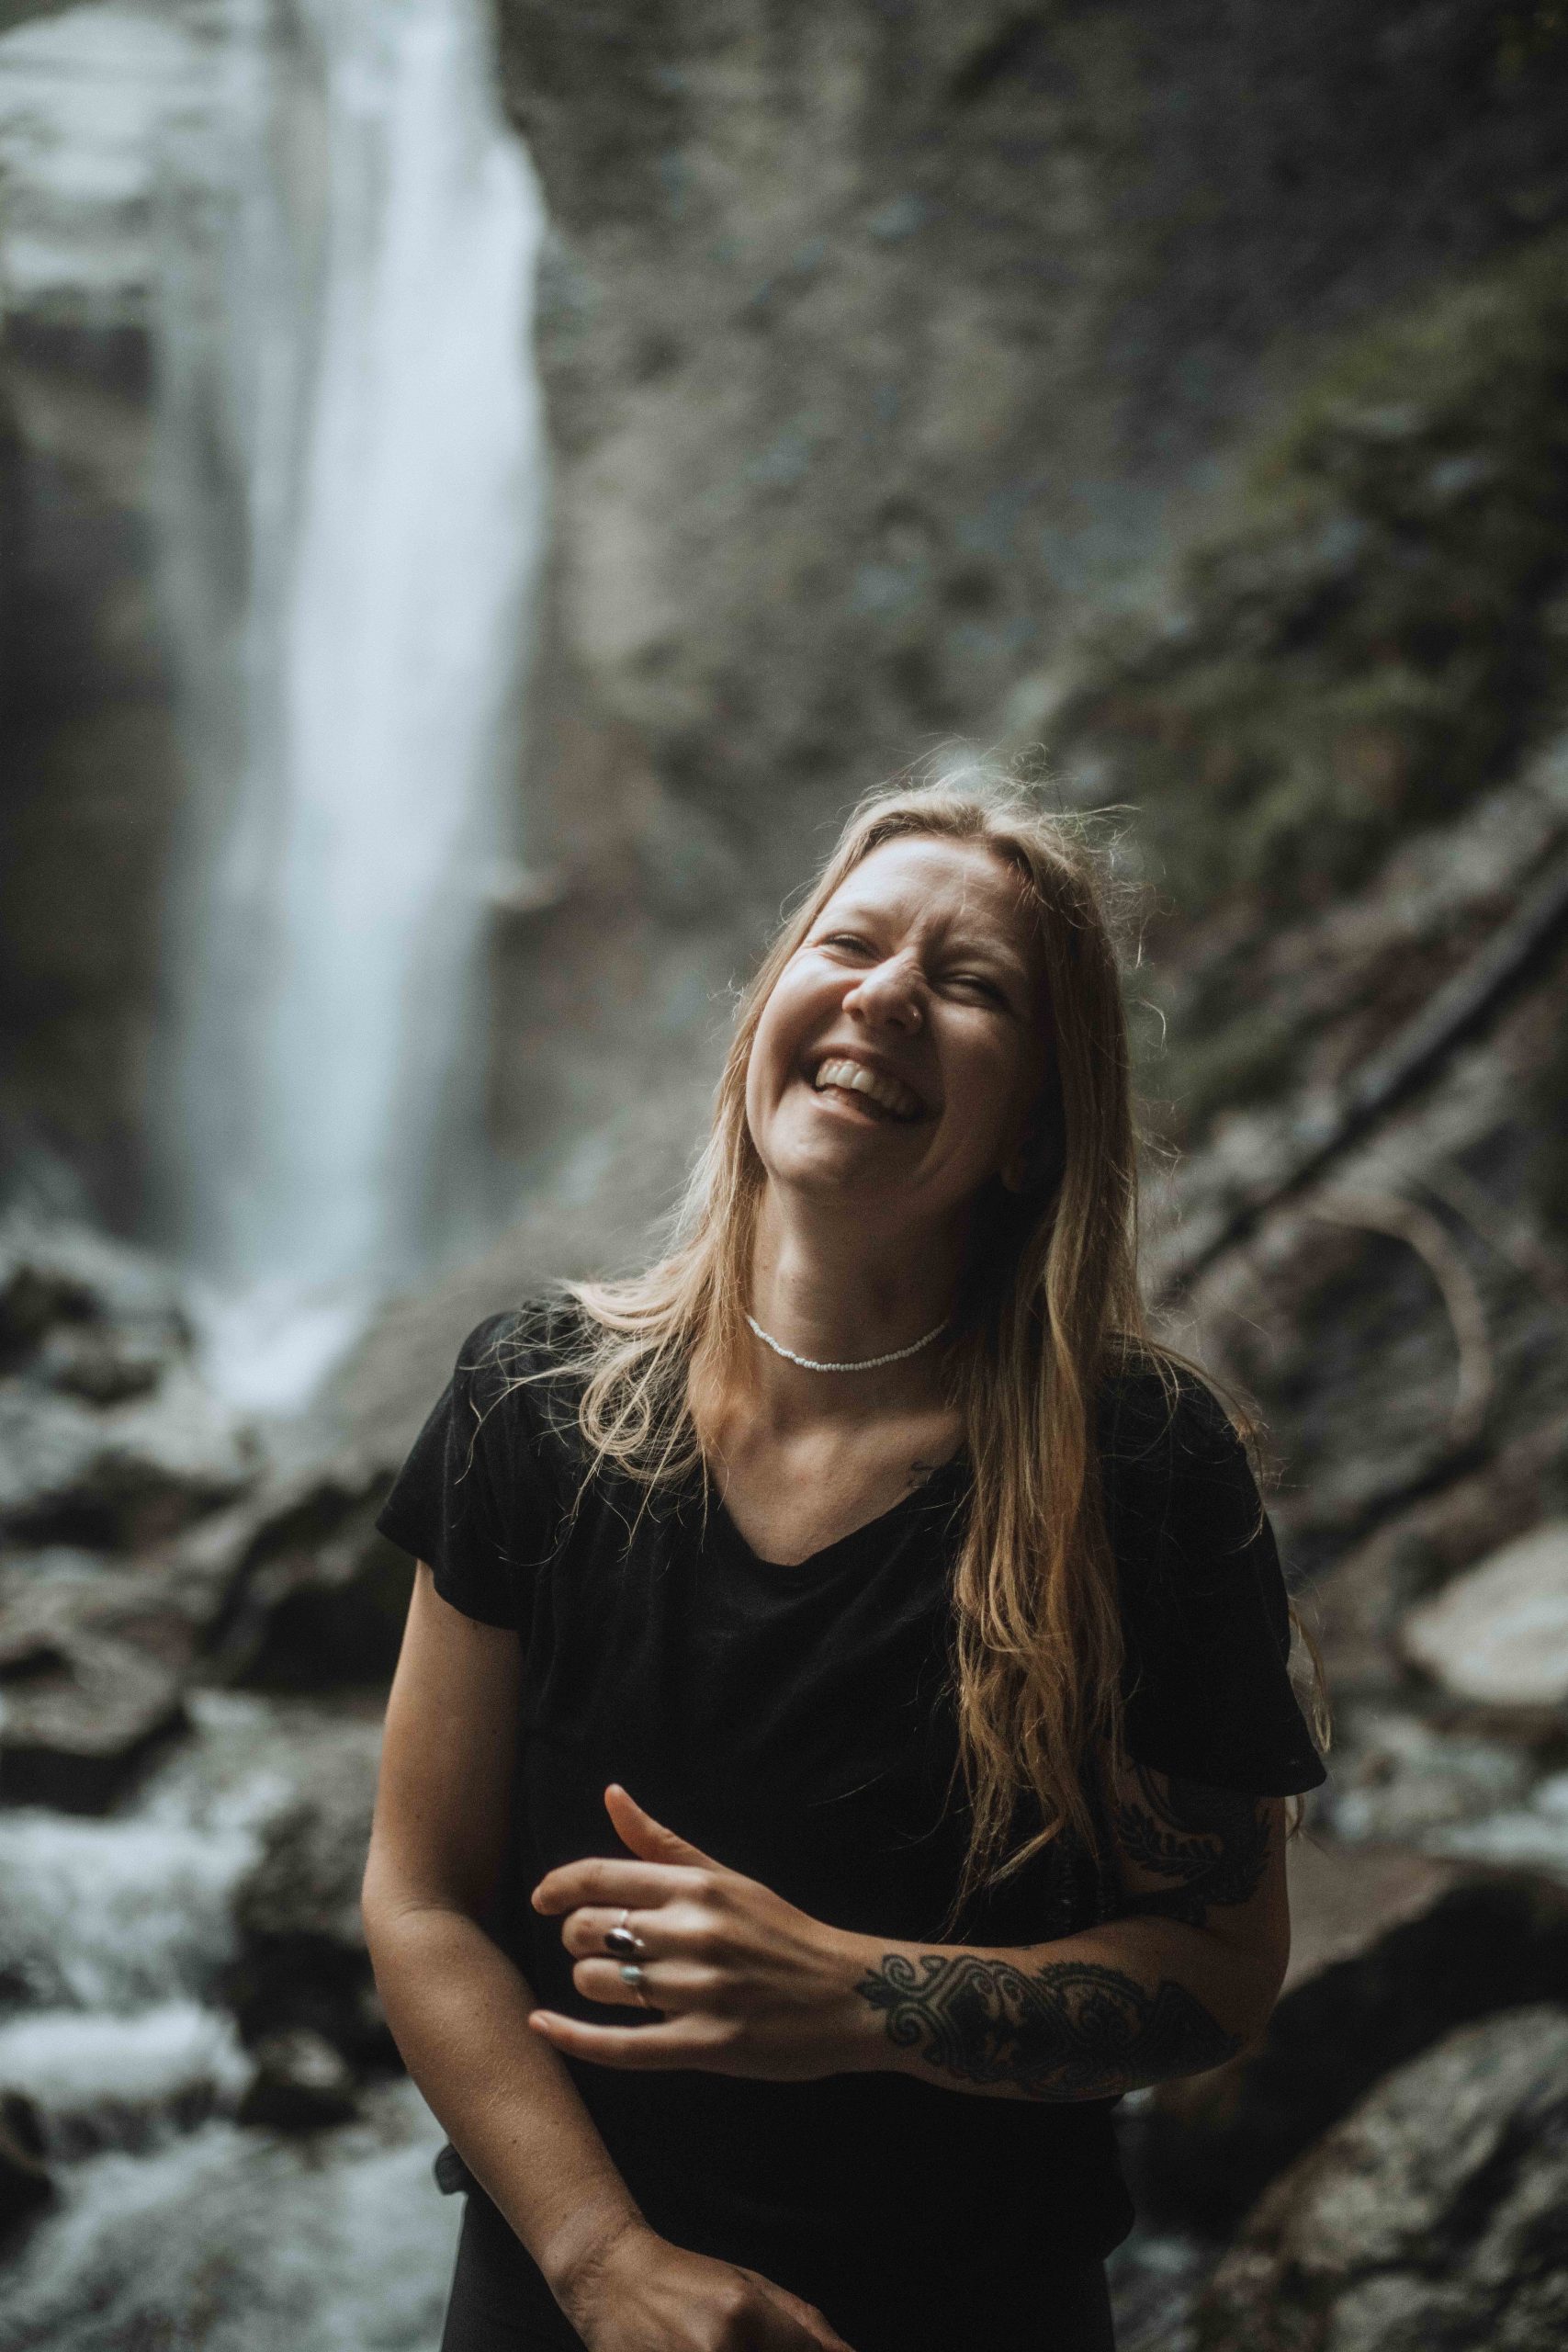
(624, 1942)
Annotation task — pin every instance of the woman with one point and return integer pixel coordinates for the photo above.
(841, 1730)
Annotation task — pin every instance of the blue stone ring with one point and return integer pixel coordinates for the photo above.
(634, 1974)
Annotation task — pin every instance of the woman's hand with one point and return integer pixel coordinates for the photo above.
(639, 2293)
(746, 1984)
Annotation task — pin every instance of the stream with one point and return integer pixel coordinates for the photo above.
(176, 2226)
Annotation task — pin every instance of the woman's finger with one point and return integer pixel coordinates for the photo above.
(673, 1985)
(604, 1881)
(582, 1933)
(649, 2050)
(806, 2316)
(651, 1838)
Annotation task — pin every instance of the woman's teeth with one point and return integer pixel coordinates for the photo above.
(886, 1092)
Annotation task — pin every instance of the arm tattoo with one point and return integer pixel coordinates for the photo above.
(1213, 1843)
(1071, 2029)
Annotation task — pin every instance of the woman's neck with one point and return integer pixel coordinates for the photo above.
(838, 1292)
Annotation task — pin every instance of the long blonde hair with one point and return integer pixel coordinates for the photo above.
(1051, 1302)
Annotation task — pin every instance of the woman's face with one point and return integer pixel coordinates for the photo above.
(904, 1046)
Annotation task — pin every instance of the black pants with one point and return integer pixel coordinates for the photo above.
(492, 2309)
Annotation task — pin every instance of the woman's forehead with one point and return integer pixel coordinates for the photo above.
(948, 884)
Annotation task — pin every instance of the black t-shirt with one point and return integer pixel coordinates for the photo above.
(794, 1723)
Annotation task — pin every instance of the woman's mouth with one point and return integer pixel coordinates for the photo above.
(871, 1091)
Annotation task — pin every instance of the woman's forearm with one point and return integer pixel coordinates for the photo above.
(1134, 2002)
(458, 2010)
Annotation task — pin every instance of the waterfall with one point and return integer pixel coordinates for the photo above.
(352, 497)
(313, 211)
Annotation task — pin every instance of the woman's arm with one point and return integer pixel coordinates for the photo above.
(459, 2010)
(458, 2007)
(1183, 1976)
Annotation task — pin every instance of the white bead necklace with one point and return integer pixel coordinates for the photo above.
(862, 1363)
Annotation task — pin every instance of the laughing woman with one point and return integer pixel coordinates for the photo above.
(843, 1728)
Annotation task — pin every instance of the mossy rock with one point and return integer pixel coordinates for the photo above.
(1372, 639)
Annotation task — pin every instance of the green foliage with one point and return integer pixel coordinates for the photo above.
(1374, 639)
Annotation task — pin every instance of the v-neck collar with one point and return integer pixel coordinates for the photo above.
(844, 1548)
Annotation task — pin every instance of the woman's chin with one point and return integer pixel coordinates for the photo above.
(833, 1169)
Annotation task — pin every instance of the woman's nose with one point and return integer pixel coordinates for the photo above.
(889, 991)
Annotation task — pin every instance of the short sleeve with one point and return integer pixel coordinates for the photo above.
(475, 1498)
(1205, 1614)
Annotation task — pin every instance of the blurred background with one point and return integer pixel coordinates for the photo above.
(481, 489)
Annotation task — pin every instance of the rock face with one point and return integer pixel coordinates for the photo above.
(301, 2084)
(90, 740)
(146, 1540)
(1211, 2143)
(92, 1671)
(883, 346)
(1432, 2215)
(307, 1594)
(1319, 684)
(110, 1448)
(108, 1437)
(26, 2188)
(304, 1966)
(875, 339)
(1499, 1633)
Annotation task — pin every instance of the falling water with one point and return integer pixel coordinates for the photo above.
(353, 471)
(313, 210)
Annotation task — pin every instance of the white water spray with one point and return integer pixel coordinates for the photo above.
(352, 456)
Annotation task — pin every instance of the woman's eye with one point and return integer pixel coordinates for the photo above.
(978, 980)
(843, 939)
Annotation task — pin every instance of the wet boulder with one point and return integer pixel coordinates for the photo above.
(1403, 1779)
(26, 2187)
(303, 1962)
(59, 1281)
(1434, 1950)
(305, 1594)
(107, 1436)
(115, 1476)
(301, 2083)
(1498, 1634)
(93, 1664)
(1432, 2214)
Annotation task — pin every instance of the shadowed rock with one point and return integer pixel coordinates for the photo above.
(1207, 2147)
(108, 1437)
(303, 1962)
(91, 1669)
(26, 2187)
(1499, 1633)
(1431, 2215)
(301, 2084)
(304, 1593)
